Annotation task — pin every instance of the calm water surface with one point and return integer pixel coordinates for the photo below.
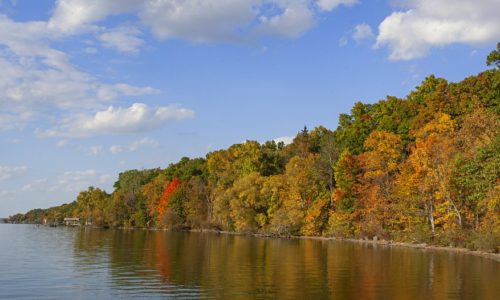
(79, 263)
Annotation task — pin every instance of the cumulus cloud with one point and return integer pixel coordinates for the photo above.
(291, 23)
(196, 20)
(9, 172)
(362, 32)
(76, 16)
(39, 81)
(136, 118)
(425, 24)
(37, 78)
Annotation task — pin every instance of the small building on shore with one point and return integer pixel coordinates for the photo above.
(72, 221)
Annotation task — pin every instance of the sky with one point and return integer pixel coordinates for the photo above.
(91, 88)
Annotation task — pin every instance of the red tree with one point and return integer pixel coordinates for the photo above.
(170, 188)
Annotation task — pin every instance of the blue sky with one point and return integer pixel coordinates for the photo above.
(90, 88)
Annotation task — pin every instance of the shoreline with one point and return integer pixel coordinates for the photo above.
(384, 243)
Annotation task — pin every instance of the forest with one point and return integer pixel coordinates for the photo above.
(422, 169)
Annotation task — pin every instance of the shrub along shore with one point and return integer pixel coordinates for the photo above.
(423, 169)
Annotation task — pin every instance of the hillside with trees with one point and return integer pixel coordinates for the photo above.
(424, 168)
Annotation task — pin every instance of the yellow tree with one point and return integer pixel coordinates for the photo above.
(379, 165)
(477, 130)
(152, 192)
(92, 204)
(300, 191)
(247, 205)
(273, 190)
(431, 162)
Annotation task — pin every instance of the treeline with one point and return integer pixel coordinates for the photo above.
(425, 168)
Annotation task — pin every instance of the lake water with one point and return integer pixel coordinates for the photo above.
(79, 263)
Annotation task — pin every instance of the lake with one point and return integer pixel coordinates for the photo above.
(83, 263)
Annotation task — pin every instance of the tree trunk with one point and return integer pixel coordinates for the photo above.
(431, 217)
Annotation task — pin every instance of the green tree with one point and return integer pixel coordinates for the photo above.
(494, 57)
(92, 204)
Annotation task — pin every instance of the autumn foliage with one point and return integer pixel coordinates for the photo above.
(424, 168)
(170, 188)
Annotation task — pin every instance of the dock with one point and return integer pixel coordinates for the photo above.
(72, 221)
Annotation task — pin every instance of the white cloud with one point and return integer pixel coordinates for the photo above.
(110, 92)
(291, 23)
(134, 146)
(285, 139)
(124, 39)
(70, 181)
(76, 181)
(9, 172)
(75, 16)
(36, 185)
(9, 120)
(39, 81)
(37, 78)
(362, 32)
(194, 20)
(328, 5)
(198, 20)
(426, 24)
(136, 118)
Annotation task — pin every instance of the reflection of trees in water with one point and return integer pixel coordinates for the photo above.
(227, 266)
(377, 272)
(125, 261)
(91, 248)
